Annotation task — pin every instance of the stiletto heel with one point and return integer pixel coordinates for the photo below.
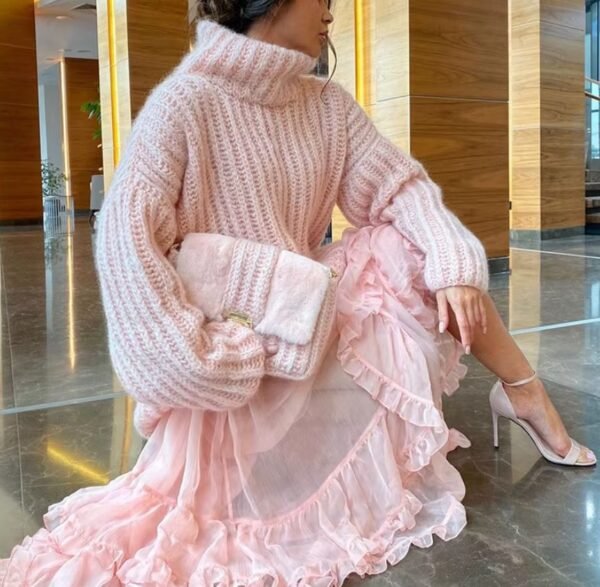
(502, 406)
(495, 426)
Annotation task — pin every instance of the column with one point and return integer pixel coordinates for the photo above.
(139, 43)
(83, 156)
(547, 118)
(20, 180)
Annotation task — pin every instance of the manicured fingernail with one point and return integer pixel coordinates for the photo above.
(441, 328)
(468, 349)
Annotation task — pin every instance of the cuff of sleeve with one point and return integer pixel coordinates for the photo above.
(469, 267)
(147, 417)
(454, 255)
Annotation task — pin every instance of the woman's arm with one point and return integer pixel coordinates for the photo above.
(382, 184)
(163, 349)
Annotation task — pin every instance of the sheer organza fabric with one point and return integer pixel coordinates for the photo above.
(308, 483)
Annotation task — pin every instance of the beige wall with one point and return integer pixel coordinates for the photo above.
(20, 182)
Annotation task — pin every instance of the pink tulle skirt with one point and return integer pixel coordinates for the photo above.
(310, 482)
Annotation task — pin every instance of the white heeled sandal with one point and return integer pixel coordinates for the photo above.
(502, 406)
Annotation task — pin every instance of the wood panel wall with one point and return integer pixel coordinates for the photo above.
(85, 156)
(20, 181)
(158, 39)
(148, 41)
(438, 86)
(547, 116)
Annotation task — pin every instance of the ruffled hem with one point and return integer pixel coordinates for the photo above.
(433, 435)
(342, 533)
(375, 297)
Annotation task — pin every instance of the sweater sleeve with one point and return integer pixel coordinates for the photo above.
(382, 184)
(164, 350)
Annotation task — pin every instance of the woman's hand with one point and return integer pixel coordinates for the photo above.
(469, 309)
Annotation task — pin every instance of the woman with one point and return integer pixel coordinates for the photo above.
(279, 453)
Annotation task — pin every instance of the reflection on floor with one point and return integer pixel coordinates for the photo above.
(65, 422)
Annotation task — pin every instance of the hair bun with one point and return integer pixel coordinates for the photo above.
(236, 15)
(222, 12)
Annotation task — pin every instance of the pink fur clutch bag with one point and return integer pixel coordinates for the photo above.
(285, 297)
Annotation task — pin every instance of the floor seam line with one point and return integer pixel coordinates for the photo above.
(594, 257)
(558, 326)
(60, 404)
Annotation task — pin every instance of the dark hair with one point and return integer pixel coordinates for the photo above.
(236, 15)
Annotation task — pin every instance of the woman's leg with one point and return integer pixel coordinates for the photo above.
(498, 351)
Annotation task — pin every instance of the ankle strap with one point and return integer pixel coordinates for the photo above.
(522, 382)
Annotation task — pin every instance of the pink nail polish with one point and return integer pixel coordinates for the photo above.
(468, 349)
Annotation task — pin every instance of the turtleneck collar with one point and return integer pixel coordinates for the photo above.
(250, 69)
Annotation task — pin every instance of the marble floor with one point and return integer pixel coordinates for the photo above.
(65, 422)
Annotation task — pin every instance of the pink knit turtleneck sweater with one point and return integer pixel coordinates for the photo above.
(239, 140)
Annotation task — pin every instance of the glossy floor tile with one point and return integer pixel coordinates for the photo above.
(48, 454)
(52, 320)
(530, 523)
(547, 289)
(567, 356)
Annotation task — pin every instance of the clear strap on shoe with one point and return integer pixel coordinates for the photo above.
(522, 382)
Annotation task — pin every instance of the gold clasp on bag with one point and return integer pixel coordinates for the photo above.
(240, 318)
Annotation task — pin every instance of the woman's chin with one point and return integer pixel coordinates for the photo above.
(314, 52)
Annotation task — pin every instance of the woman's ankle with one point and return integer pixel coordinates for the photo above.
(526, 398)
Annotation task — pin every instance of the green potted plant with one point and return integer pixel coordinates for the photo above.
(92, 109)
(53, 180)
(56, 203)
(94, 112)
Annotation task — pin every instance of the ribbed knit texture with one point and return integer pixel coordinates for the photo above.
(240, 140)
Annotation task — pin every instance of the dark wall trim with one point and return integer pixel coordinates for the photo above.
(25, 223)
(529, 237)
(499, 265)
